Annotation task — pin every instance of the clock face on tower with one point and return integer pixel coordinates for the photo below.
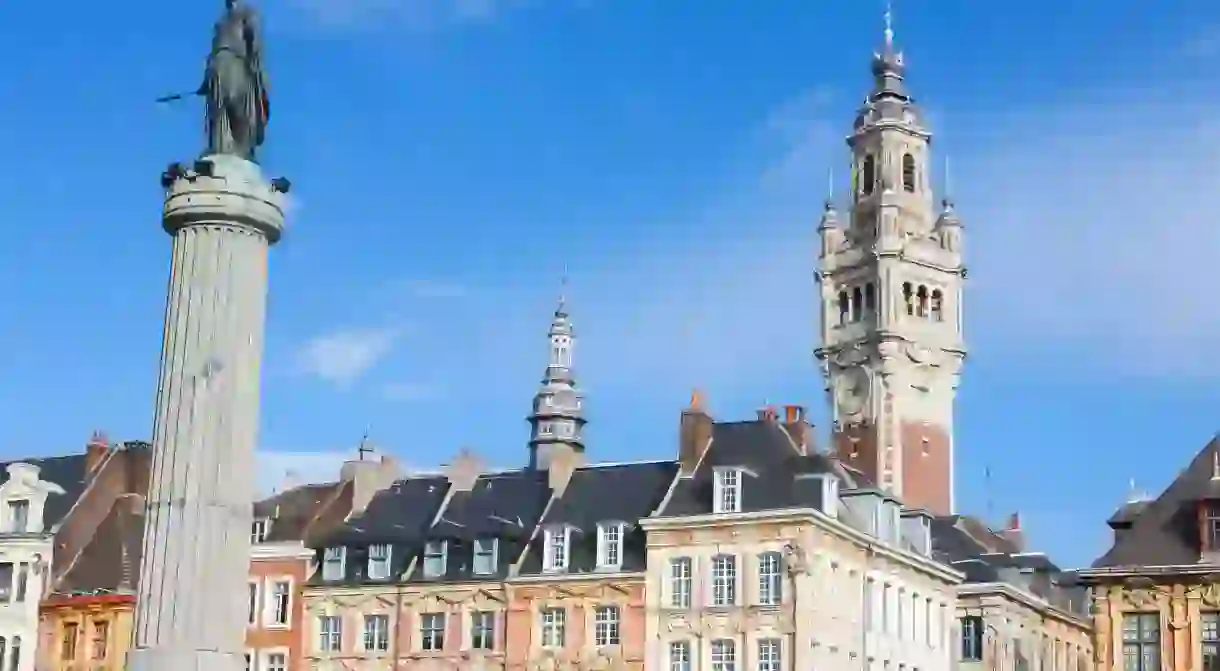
(853, 391)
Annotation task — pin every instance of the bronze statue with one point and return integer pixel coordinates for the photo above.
(235, 88)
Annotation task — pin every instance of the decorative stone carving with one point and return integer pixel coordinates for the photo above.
(1210, 595)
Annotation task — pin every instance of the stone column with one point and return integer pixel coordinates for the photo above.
(191, 609)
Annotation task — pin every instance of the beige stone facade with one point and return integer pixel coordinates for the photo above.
(1003, 628)
(842, 598)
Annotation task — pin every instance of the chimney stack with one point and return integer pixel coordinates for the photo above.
(799, 429)
(1014, 534)
(695, 434)
(95, 452)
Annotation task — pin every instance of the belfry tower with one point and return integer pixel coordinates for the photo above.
(891, 277)
(557, 421)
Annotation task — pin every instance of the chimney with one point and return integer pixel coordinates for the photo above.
(95, 452)
(559, 472)
(465, 470)
(799, 429)
(1014, 534)
(768, 414)
(368, 477)
(694, 435)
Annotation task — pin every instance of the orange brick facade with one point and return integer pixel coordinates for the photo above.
(278, 572)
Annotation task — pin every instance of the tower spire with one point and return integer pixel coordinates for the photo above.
(557, 421)
(889, 25)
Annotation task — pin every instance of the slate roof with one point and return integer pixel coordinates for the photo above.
(1166, 531)
(765, 450)
(304, 511)
(598, 493)
(966, 544)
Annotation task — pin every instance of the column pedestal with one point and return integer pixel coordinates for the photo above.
(191, 612)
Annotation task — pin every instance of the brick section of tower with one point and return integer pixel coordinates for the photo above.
(927, 468)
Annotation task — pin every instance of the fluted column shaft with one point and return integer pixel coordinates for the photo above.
(192, 604)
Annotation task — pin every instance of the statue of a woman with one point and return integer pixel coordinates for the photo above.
(235, 85)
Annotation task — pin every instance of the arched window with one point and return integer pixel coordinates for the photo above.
(844, 308)
(869, 176)
(857, 304)
(870, 301)
(908, 173)
(908, 298)
(921, 295)
(938, 305)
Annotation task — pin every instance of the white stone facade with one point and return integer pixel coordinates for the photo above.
(25, 556)
(1019, 631)
(831, 611)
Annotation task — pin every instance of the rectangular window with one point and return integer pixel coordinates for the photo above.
(972, 638)
(770, 579)
(768, 654)
(724, 580)
(435, 553)
(727, 494)
(14, 662)
(1141, 642)
(610, 545)
(23, 581)
(277, 661)
(6, 581)
(556, 551)
(281, 601)
(606, 626)
(67, 648)
(724, 655)
(377, 633)
(554, 624)
(379, 561)
(1211, 640)
(1211, 527)
(249, 662)
(258, 531)
(679, 656)
(483, 630)
(19, 516)
(330, 633)
(680, 582)
(99, 645)
(432, 631)
(485, 556)
(252, 603)
(333, 563)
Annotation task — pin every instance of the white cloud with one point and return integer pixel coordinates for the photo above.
(341, 357)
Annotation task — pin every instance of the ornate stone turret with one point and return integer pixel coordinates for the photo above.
(557, 421)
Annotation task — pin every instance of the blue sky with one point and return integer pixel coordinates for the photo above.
(451, 157)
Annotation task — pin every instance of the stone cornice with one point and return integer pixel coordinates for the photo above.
(1025, 598)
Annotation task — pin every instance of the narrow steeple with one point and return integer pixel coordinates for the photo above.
(557, 421)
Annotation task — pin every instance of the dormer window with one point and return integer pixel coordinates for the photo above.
(259, 529)
(555, 549)
(485, 551)
(435, 554)
(610, 545)
(19, 516)
(1210, 531)
(333, 563)
(727, 491)
(379, 561)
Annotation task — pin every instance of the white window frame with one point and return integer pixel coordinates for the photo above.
(379, 567)
(770, 578)
(726, 490)
(770, 654)
(610, 545)
(607, 626)
(679, 656)
(681, 582)
(271, 603)
(493, 555)
(554, 624)
(380, 637)
(492, 618)
(26, 507)
(555, 555)
(431, 555)
(254, 601)
(334, 563)
(427, 637)
(724, 654)
(329, 640)
(724, 580)
(260, 528)
(264, 659)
